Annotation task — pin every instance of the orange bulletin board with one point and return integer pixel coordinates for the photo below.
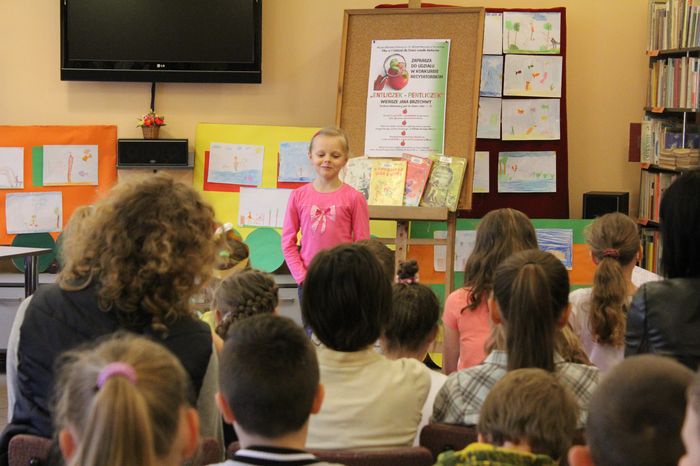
(105, 137)
(465, 29)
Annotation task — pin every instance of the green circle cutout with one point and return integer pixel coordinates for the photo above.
(265, 249)
(35, 240)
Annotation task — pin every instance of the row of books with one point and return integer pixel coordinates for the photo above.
(651, 248)
(434, 181)
(673, 24)
(664, 137)
(651, 190)
(674, 83)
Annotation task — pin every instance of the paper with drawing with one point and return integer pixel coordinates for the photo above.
(262, 207)
(11, 167)
(527, 172)
(40, 212)
(530, 119)
(235, 164)
(68, 165)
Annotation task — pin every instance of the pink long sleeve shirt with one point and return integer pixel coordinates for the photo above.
(325, 220)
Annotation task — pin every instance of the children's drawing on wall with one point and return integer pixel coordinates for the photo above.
(34, 212)
(491, 75)
(527, 172)
(493, 33)
(531, 32)
(464, 245)
(357, 173)
(11, 167)
(530, 119)
(532, 75)
(69, 165)
(294, 163)
(235, 164)
(481, 172)
(558, 241)
(489, 118)
(260, 207)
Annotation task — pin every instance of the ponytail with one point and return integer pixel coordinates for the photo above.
(531, 288)
(614, 243)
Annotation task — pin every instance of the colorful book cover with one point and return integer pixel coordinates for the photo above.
(417, 172)
(386, 186)
(357, 173)
(445, 183)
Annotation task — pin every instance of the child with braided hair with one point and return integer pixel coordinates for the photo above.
(240, 295)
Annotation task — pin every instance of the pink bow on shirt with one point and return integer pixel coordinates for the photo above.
(318, 216)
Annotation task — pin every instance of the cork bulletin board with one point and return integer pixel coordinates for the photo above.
(464, 28)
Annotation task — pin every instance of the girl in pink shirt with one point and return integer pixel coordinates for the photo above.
(327, 211)
(500, 233)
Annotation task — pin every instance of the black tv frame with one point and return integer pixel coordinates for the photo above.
(163, 72)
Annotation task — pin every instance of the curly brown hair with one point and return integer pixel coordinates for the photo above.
(148, 247)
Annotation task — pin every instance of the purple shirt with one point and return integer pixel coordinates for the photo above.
(325, 220)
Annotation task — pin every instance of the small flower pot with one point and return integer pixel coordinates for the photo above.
(150, 132)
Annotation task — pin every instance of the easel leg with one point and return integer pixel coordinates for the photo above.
(401, 243)
(450, 251)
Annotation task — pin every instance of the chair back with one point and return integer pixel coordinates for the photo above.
(442, 437)
(28, 450)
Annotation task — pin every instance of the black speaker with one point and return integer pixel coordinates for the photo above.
(597, 203)
(152, 153)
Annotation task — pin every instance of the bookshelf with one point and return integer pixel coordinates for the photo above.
(670, 129)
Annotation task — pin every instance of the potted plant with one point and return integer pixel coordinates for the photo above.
(150, 123)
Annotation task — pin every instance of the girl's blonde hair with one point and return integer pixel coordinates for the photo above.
(148, 247)
(243, 294)
(332, 131)
(121, 421)
(500, 233)
(614, 242)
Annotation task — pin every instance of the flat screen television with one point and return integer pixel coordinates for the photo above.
(217, 41)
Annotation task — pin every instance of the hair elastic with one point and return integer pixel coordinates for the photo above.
(407, 281)
(611, 252)
(114, 369)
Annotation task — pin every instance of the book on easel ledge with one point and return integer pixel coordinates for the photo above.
(417, 172)
(386, 186)
(357, 173)
(445, 183)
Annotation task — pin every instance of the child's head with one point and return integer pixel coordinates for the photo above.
(531, 291)
(414, 316)
(268, 378)
(328, 152)
(530, 408)
(635, 415)
(347, 298)
(124, 401)
(691, 425)
(680, 227)
(614, 243)
(500, 233)
(384, 255)
(149, 248)
(243, 294)
(232, 254)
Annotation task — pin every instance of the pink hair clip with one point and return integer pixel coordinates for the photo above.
(115, 369)
(611, 252)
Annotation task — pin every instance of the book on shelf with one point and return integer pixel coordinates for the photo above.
(651, 190)
(660, 135)
(444, 186)
(674, 82)
(673, 24)
(651, 248)
(387, 182)
(417, 172)
(357, 174)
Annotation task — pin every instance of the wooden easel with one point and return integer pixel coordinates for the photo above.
(464, 28)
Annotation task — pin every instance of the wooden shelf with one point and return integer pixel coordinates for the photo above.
(671, 110)
(663, 53)
(656, 168)
(384, 212)
(647, 223)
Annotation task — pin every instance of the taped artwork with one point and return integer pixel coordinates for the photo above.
(530, 119)
(11, 167)
(489, 118)
(294, 163)
(259, 207)
(69, 165)
(531, 32)
(34, 212)
(235, 164)
(559, 242)
(527, 172)
(491, 75)
(532, 75)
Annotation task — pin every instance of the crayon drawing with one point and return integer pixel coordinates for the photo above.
(532, 75)
(493, 33)
(527, 172)
(489, 118)
(235, 164)
(481, 172)
(559, 242)
(491, 75)
(68, 165)
(531, 32)
(34, 212)
(530, 119)
(294, 162)
(11, 167)
(464, 245)
(262, 207)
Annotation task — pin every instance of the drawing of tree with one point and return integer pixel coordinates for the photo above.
(548, 28)
(509, 27)
(516, 28)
